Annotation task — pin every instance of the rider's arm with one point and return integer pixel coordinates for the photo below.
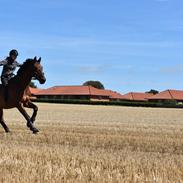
(3, 62)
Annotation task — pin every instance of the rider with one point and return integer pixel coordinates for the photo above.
(9, 66)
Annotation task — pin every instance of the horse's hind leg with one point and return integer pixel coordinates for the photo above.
(3, 122)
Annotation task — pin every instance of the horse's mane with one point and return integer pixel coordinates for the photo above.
(29, 62)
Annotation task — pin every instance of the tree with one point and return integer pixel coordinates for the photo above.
(32, 84)
(95, 84)
(153, 91)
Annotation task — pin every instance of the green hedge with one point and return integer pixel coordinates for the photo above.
(114, 103)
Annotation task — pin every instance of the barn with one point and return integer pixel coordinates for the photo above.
(113, 95)
(137, 96)
(77, 93)
(168, 95)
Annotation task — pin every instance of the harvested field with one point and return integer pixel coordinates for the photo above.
(80, 143)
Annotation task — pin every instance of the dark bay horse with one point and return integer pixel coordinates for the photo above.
(17, 88)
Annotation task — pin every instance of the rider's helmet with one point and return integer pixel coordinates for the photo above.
(13, 52)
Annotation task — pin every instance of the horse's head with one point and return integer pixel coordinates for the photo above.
(38, 71)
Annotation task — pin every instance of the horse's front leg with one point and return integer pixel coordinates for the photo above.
(29, 104)
(27, 117)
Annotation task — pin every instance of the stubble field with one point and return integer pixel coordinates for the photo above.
(80, 143)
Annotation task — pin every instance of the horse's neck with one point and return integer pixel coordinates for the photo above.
(23, 80)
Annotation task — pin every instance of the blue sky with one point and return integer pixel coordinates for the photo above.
(133, 45)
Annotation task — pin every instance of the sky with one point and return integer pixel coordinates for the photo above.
(133, 45)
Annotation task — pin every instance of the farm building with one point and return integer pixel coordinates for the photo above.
(33, 91)
(77, 93)
(167, 95)
(114, 96)
(137, 96)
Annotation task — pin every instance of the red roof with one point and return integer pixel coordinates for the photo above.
(34, 91)
(137, 96)
(98, 92)
(72, 90)
(79, 90)
(65, 90)
(167, 95)
(113, 94)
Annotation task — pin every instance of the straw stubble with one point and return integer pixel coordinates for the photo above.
(81, 143)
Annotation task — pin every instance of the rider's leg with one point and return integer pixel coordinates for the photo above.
(5, 84)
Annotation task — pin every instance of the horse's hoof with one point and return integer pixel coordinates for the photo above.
(7, 131)
(35, 130)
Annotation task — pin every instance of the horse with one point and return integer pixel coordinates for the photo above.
(17, 87)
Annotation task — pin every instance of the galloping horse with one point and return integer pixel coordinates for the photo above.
(17, 88)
